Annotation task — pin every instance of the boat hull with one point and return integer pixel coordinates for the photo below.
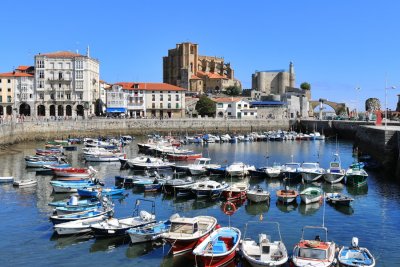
(334, 178)
(356, 180)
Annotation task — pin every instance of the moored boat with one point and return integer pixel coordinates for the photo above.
(219, 248)
(236, 191)
(287, 195)
(6, 179)
(355, 256)
(78, 226)
(208, 188)
(257, 194)
(335, 173)
(338, 199)
(356, 175)
(25, 183)
(311, 195)
(311, 171)
(150, 232)
(185, 233)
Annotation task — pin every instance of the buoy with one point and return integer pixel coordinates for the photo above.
(229, 208)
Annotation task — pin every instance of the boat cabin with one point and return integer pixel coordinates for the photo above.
(312, 249)
(184, 226)
(202, 161)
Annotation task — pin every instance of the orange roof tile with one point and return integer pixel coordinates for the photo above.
(61, 54)
(226, 99)
(150, 86)
(211, 75)
(194, 77)
(15, 74)
(23, 67)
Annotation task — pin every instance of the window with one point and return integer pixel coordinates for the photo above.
(52, 65)
(60, 75)
(239, 105)
(252, 113)
(9, 99)
(52, 96)
(169, 92)
(59, 85)
(8, 80)
(41, 96)
(30, 96)
(177, 105)
(41, 74)
(220, 105)
(68, 96)
(153, 97)
(161, 97)
(1, 98)
(245, 105)
(79, 84)
(169, 105)
(80, 96)
(8, 89)
(161, 105)
(153, 105)
(79, 65)
(60, 65)
(40, 84)
(40, 63)
(79, 74)
(229, 105)
(229, 113)
(245, 113)
(176, 97)
(68, 66)
(169, 97)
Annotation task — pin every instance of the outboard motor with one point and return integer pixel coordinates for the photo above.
(73, 201)
(354, 242)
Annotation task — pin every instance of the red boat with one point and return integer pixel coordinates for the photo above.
(74, 172)
(186, 233)
(236, 191)
(188, 156)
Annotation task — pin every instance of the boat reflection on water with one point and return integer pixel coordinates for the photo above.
(66, 241)
(256, 208)
(347, 210)
(203, 203)
(357, 191)
(108, 244)
(188, 259)
(333, 188)
(140, 249)
(309, 209)
(292, 206)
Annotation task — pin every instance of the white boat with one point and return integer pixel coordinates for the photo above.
(287, 195)
(311, 171)
(236, 191)
(355, 256)
(78, 226)
(265, 252)
(199, 166)
(338, 199)
(335, 173)
(257, 194)
(239, 169)
(290, 170)
(316, 253)
(6, 179)
(103, 158)
(25, 183)
(185, 233)
(274, 171)
(311, 195)
(208, 188)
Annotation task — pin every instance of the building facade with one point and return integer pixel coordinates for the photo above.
(230, 107)
(16, 93)
(152, 100)
(184, 67)
(66, 83)
(273, 82)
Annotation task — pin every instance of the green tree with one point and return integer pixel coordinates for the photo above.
(205, 106)
(305, 86)
(233, 90)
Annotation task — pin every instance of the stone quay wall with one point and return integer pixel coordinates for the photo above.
(13, 132)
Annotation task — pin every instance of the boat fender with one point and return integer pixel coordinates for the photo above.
(229, 208)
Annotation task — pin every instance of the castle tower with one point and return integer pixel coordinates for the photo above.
(292, 75)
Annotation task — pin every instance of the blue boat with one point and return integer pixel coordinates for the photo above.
(56, 219)
(74, 202)
(149, 232)
(355, 255)
(74, 209)
(93, 192)
(68, 187)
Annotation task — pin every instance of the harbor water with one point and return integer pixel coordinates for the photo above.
(27, 236)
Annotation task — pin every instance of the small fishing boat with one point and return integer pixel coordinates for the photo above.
(335, 173)
(356, 175)
(56, 219)
(236, 191)
(74, 172)
(169, 187)
(103, 158)
(274, 171)
(94, 191)
(151, 165)
(219, 248)
(208, 188)
(199, 166)
(185, 156)
(287, 195)
(118, 227)
(78, 226)
(71, 187)
(25, 183)
(74, 202)
(311, 195)
(315, 252)
(257, 194)
(291, 170)
(216, 169)
(74, 209)
(6, 179)
(150, 232)
(338, 199)
(311, 171)
(355, 256)
(185, 233)
(265, 252)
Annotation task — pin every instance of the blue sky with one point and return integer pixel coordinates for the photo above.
(334, 45)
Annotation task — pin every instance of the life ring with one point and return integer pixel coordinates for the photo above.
(229, 208)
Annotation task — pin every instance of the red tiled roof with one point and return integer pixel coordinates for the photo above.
(15, 74)
(194, 77)
(226, 99)
(61, 54)
(23, 67)
(211, 75)
(150, 86)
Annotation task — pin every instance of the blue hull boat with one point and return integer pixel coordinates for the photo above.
(149, 232)
(55, 219)
(355, 256)
(93, 192)
(78, 203)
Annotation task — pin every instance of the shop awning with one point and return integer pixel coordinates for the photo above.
(116, 110)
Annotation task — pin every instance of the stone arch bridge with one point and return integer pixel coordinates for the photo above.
(337, 107)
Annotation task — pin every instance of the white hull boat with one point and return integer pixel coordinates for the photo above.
(335, 173)
(6, 179)
(239, 169)
(311, 172)
(311, 195)
(78, 226)
(25, 183)
(258, 194)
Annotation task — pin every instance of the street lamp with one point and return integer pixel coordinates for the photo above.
(391, 87)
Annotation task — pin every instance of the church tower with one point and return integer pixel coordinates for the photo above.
(292, 76)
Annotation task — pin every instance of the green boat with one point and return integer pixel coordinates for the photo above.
(356, 175)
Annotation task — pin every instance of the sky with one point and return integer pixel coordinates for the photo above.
(336, 46)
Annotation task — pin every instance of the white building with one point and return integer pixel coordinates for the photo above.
(146, 100)
(231, 107)
(67, 84)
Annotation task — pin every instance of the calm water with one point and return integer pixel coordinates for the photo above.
(27, 236)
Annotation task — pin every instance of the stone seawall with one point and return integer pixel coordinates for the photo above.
(46, 130)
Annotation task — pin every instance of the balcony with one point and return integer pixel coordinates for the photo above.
(60, 80)
(134, 105)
